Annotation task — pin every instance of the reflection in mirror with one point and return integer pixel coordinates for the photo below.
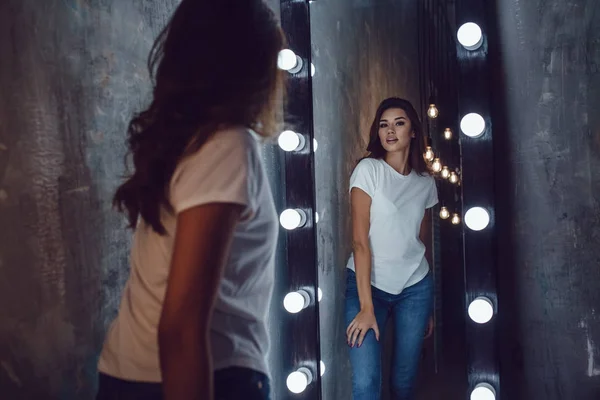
(363, 53)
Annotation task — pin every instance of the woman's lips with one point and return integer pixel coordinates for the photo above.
(391, 140)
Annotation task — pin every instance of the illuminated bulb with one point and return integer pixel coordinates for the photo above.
(469, 35)
(294, 302)
(483, 391)
(481, 310)
(319, 294)
(477, 218)
(453, 177)
(322, 367)
(312, 69)
(447, 133)
(444, 213)
(287, 60)
(429, 154)
(292, 218)
(298, 380)
(315, 145)
(472, 125)
(445, 172)
(432, 112)
(290, 141)
(316, 217)
(436, 166)
(455, 219)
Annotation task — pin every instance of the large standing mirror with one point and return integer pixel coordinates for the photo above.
(363, 53)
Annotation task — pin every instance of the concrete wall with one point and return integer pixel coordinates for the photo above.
(363, 52)
(547, 135)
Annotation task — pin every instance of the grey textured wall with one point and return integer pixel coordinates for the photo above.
(363, 51)
(547, 133)
(72, 73)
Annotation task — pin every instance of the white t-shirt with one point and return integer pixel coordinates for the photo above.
(398, 204)
(227, 169)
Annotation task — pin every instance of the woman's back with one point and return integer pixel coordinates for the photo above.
(227, 169)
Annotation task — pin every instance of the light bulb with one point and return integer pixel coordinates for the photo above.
(290, 141)
(294, 302)
(315, 145)
(322, 367)
(453, 177)
(319, 294)
(469, 35)
(287, 60)
(477, 218)
(481, 310)
(455, 219)
(298, 380)
(292, 218)
(483, 391)
(472, 125)
(312, 69)
(432, 112)
(436, 166)
(316, 217)
(444, 213)
(447, 133)
(429, 154)
(445, 172)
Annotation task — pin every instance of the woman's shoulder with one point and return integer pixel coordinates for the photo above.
(367, 164)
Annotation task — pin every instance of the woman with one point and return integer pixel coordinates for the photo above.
(191, 324)
(388, 272)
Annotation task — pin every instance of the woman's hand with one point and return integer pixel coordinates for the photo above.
(359, 327)
(430, 327)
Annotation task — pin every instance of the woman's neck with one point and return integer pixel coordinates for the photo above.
(399, 161)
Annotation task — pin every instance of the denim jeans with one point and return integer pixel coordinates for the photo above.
(410, 312)
(229, 384)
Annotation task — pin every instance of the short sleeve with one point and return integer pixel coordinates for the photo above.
(220, 172)
(364, 177)
(432, 196)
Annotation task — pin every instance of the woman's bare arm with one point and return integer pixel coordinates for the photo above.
(201, 247)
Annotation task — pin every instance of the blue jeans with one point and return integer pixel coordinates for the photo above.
(410, 312)
(229, 384)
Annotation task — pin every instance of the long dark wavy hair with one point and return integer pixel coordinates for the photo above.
(214, 65)
(375, 149)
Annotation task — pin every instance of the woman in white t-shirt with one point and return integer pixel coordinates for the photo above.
(192, 319)
(388, 272)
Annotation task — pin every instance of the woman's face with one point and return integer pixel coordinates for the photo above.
(395, 130)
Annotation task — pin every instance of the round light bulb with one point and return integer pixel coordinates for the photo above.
(294, 302)
(432, 112)
(312, 69)
(319, 294)
(444, 213)
(315, 145)
(290, 141)
(436, 166)
(322, 367)
(483, 391)
(472, 125)
(298, 380)
(287, 60)
(469, 35)
(429, 154)
(447, 133)
(316, 217)
(455, 219)
(481, 310)
(445, 172)
(453, 177)
(477, 218)
(292, 218)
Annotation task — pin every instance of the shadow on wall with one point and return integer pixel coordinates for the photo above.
(72, 75)
(362, 54)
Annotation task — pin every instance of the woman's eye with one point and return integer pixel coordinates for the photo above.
(399, 123)
(382, 125)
